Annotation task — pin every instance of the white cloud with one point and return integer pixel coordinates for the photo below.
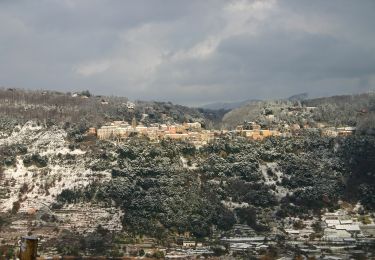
(234, 49)
(92, 68)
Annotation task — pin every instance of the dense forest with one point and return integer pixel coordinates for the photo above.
(77, 110)
(82, 110)
(347, 110)
(162, 198)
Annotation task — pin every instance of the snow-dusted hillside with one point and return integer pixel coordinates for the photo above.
(30, 188)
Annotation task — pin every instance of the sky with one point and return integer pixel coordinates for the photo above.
(189, 52)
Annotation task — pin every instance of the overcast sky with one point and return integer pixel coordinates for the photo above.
(189, 52)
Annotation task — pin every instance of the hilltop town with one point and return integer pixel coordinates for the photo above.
(195, 134)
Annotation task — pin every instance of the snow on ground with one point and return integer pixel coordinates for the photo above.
(234, 205)
(42, 185)
(185, 164)
(37, 188)
(273, 180)
(25, 134)
(49, 140)
(85, 217)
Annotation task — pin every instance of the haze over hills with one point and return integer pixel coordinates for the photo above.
(228, 105)
(233, 105)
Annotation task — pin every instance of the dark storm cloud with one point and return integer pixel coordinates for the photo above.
(189, 51)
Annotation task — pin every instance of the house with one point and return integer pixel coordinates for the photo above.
(191, 244)
(196, 126)
(252, 126)
(113, 131)
(292, 231)
(268, 133)
(240, 246)
(177, 136)
(239, 128)
(332, 258)
(144, 116)
(310, 109)
(252, 134)
(334, 235)
(141, 129)
(256, 239)
(295, 127)
(330, 132)
(262, 247)
(351, 228)
(332, 222)
(130, 105)
(346, 221)
(346, 131)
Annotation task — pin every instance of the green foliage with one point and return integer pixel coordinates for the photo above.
(69, 243)
(358, 155)
(158, 254)
(8, 153)
(69, 196)
(16, 206)
(35, 159)
(161, 198)
(4, 220)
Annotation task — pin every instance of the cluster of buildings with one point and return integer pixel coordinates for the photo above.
(254, 244)
(253, 131)
(195, 134)
(338, 131)
(340, 227)
(120, 130)
(341, 233)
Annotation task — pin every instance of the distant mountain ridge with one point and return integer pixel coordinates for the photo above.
(234, 105)
(299, 97)
(228, 105)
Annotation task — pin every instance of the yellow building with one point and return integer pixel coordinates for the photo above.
(176, 136)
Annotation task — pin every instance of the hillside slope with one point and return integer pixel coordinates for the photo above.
(352, 110)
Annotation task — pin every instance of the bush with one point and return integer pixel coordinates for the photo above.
(4, 221)
(158, 254)
(16, 206)
(35, 159)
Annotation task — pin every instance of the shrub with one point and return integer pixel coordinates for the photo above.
(35, 159)
(16, 207)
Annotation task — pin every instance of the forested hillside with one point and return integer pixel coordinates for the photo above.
(60, 182)
(348, 110)
(354, 110)
(228, 182)
(81, 110)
